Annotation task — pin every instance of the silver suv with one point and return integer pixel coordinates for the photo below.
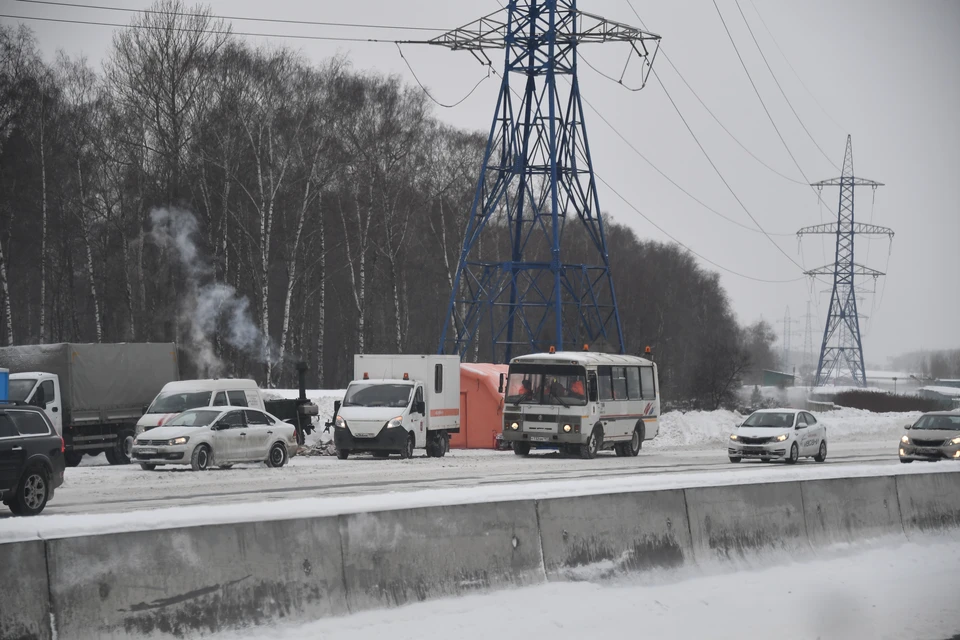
(935, 436)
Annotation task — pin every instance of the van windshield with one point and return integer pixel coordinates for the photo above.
(175, 402)
(377, 395)
(202, 418)
(20, 389)
(547, 384)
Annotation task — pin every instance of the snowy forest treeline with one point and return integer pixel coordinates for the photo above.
(259, 209)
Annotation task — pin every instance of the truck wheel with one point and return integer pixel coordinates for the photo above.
(72, 458)
(438, 446)
(589, 449)
(407, 451)
(278, 456)
(33, 491)
(201, 458)
(122, 453)
(521, 448)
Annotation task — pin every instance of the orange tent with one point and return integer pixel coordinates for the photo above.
(481, 406)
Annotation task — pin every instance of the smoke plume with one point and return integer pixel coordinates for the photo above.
(208, 308)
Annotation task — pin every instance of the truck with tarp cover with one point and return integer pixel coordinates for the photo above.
(93, 393)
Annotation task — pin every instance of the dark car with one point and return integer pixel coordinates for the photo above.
(31, 459)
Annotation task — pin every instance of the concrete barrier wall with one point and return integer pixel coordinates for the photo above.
(182, 581)
(394, 557)
(609, 534)
(845, 510)
(188, 581)
(741, 521)
(929, 502)
(24, 598)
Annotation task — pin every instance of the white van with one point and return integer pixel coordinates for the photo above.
(398, 403)
(177, 397)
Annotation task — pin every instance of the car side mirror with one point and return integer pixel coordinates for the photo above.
(501, 383)
(908, 426)
(336, 408)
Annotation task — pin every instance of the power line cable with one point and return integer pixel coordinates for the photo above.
(704, 105)
(427, 91)
(782, 92)
(211, 31)
(240, 18)
(797, 75)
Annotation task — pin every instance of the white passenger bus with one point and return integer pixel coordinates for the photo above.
(581, 403)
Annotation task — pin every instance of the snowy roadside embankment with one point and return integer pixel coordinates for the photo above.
(706, 429)
(903, 592)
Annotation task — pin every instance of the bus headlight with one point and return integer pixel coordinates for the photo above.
(514, 425)
(567, 428)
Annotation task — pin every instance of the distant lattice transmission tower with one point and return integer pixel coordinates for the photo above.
(842, 347)
(543, 287)
(788, 332)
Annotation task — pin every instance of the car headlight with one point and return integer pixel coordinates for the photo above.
(905, 439)
(955, 441)
(782, 437)
(567, 428)
(514, 425)
(734, 437)
(176, 441)
(395, 422)
(340, 422)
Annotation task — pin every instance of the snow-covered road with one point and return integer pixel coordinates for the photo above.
(97, 488)
(906, 592)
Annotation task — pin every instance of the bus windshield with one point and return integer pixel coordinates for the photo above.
(564, 385)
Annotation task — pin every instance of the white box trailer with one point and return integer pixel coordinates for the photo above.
(398, 403)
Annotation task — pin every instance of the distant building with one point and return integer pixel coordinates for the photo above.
(778, 379)
(947, 383)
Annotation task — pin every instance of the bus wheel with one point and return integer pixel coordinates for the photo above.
(589, 449)
(521, 448)
(633, 447)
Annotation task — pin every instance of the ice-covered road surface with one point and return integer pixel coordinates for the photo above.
(907, 592)
(99, 488)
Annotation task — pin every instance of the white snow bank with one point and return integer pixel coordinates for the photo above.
(904, 592)
(704, 429)
(65, 526)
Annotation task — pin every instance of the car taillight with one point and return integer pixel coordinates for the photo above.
(63, 445)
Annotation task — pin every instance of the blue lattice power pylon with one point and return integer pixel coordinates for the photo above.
(842, 347)
(536, 177)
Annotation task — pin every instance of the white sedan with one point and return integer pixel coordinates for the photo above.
(221, 436)
(779, 434)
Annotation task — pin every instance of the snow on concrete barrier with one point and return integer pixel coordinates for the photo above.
(24, 604)
(183, 581)
(740, 522)
(609, 534)
(929, 502)
(851, 509)
(391, 558)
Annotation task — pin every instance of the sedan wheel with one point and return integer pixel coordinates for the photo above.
(822, 454)
(278, 456)
(794, 454)
(200, 460)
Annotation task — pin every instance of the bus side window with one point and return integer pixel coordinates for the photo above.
(606, 383)
(646, 383)
(633, 383)
(593, 387)
(619, 383)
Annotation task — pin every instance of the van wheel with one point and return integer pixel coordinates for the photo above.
(72, 458)
(343, 454)
(735, 459)
(147, 466)
(277, 456)
(407, 451)
(33, 491)
(589, 449)
(201, 459)
(794, 454)
(438, 446)
(521, 448)
(822, 454)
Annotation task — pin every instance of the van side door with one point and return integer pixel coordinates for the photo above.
(417, 420)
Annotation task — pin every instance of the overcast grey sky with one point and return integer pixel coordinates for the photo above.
(888, 73)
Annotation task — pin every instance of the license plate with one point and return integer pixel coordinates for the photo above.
(927, 451)
(539, 438)
(147, 451)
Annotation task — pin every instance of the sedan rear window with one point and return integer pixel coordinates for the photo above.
(29, 423)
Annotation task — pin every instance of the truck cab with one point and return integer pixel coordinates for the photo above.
(414, 403)
(41, 390)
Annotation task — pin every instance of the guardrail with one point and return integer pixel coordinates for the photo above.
(175, 582)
